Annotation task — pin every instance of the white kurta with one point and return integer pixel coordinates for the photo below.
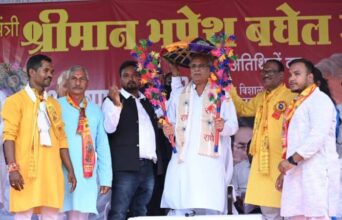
(240, 177)
(200, 181)
(312, 188)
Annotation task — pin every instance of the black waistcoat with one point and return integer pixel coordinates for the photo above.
(124, 142)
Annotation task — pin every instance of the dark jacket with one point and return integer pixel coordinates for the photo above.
(124, 142)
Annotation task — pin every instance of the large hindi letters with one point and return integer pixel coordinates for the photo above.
(52, 36)
(260, 30)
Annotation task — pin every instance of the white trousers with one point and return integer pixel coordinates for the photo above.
(47, 213)
(76, 215)
(270, 213)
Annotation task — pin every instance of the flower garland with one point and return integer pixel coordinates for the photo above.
(150, 71)
(220, 78)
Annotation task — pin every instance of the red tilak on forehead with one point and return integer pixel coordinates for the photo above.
(79, 73)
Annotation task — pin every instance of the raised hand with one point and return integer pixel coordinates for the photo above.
(168, 129)
(219, 124)
(114, 94)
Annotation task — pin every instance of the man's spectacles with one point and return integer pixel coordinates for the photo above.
(199, 66)
(240, 145)
(269, 72)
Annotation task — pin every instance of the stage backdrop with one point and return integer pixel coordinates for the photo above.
(99, 34)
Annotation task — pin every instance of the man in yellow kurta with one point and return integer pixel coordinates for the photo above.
(266, 148)
(35, 146)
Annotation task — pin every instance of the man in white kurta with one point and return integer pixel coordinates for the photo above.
(311, 171)
(197, 183)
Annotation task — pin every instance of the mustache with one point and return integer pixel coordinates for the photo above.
(132, 82)
(197, 74)
(77, 87)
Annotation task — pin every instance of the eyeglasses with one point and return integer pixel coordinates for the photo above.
(269, 72)
(199, 66)
(240, 145)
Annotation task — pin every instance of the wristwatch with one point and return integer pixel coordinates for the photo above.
(291, 161)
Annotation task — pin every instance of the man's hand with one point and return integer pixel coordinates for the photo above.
(279, 182)
(284, 166)
(114, 94)
(219, 124)
(104, 189)
(168, 130)
(174, 69)
(16, 180)
(64, 153)
(72, 180)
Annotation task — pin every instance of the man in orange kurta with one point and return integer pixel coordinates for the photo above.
(35, 146)
(268, 108)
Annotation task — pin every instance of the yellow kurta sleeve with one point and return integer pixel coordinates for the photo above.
(62, 138)
(63, 143)
(12, 116)
(243, 108)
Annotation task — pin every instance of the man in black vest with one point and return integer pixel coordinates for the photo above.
(131, 125)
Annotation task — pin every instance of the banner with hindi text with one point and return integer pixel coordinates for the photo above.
(99, 34)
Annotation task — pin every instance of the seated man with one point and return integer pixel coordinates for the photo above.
(242, 160)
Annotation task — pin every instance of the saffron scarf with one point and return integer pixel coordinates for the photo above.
(261, 131)
(88, 152)
(290, 112)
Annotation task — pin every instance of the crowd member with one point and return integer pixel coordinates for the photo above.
(35, 146)
(268, 108)
(241, 139)
(196, 166)
(310, 173)
(88, 146)
(131, 125)
(61, 87)
(240, 147)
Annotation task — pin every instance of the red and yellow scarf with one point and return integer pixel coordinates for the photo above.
(88, 153)
(290, 112)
